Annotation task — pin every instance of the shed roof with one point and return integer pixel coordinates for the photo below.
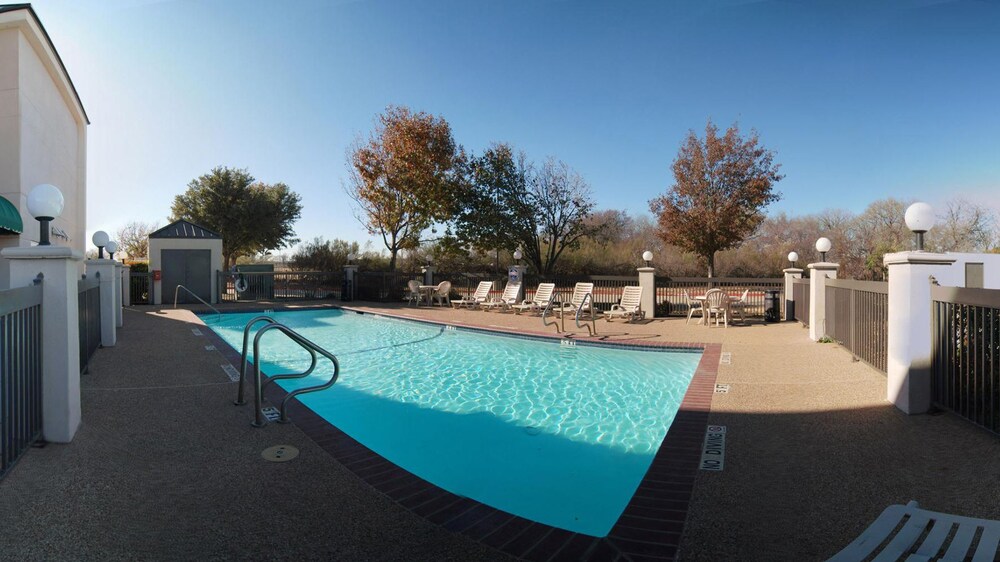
(184, 229)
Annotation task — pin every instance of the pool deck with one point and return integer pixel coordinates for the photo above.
(164, 467)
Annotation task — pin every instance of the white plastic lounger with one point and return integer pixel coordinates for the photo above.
(477, 298)
(507, 299)
(543, 295)
(581, 301)
(919, 522)
(630, 306)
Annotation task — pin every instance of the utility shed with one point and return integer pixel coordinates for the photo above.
(183, 253)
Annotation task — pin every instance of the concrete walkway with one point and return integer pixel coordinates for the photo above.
(166, 468)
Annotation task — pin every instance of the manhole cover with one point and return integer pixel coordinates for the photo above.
(280, 453)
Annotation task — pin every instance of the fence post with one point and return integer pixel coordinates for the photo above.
(109, 318)
(821, 271)
(351, 277)
(909, 355)
(126, 285)
(60, 332)
(647, 280)
(791, 274)
(118, 294)
(428, 274)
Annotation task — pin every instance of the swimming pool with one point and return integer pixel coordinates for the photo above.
(555, 433)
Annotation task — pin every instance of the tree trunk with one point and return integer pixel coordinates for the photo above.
(711, 264)
(392, 259)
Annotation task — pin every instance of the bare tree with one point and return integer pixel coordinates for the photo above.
(133, 238)
(964, 227)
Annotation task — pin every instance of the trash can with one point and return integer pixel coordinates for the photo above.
(772, 306)
(345, 290)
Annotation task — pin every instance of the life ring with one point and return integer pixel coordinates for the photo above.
(241, 284)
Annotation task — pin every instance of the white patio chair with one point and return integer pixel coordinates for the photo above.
(413, 295)
(442, 294)
(579, 301)
(737, 307)
(717, 304)
(931, 526)
(507, 299)
(630, 306)
(480, 296)
(541, 299)
(694, 306)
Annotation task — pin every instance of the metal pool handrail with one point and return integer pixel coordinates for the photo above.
(179, 287)
(579, 311)
(243, 355)
(312, 348)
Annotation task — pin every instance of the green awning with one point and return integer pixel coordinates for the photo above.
(10, 218)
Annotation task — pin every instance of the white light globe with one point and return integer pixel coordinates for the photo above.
(823, 245)
(350, 257)
(100, 239)
(792, 256)
(518, 254)
(647, 256)
(45, 201)
(919, 217)
(111, 247)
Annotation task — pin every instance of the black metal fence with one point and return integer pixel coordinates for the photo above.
(857, 316)
(965, 369)
(800, 294)
(674, 295)
(383, 286)
(89, 301)
(20, 372)
(140, 287)
(279, 285)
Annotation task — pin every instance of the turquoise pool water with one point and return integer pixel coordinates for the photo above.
(556, 434)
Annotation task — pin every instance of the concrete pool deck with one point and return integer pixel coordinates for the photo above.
(165, 468)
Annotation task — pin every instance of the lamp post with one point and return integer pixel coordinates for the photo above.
(518, 255)
(793, 257)
(112, 247)
(100, 239)
(45, 203)
(919, 219)
(350, 258)
(823, 246)
(647, 257)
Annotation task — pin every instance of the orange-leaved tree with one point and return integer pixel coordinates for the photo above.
(722, 184)
(404, 177)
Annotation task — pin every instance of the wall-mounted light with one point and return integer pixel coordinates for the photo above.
(793, 257)
(100, 239)
(919, 219)
(823, 246)
(45, 203)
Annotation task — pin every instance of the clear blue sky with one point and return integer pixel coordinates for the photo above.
(860, 100)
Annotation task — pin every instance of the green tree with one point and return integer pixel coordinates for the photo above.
(404, 177)
(251, 216)
(323, 255)
(721, 187)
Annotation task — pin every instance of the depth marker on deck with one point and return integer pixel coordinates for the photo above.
(713, 454)
(722, 389)
(231, 372)
(726, 358)
(209, 348)
(196, 331)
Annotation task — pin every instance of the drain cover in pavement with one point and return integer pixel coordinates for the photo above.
(280, 453)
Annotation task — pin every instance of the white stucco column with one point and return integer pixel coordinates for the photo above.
(908, 374)
(515, 274)
(647, 280)
(791, 274)
(821, 271)
(60, 332)
(126, 286)
(350, 275)
(109, 304)
(428, 274)
(118, 294)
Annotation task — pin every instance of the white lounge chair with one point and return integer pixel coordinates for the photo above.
(507, 299)
(413, 295)
(579, 301)
(694, 306)
(717, 304)
(479, 297)
(736, 307)
(442, 294)
(630, 306)
(933, 527)
(541, 299)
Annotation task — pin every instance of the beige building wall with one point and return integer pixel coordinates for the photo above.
(155, 263)
(43, 134)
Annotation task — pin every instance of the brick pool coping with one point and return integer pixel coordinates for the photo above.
(649, 528)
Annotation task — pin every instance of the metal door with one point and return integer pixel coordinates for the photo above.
(191, 268)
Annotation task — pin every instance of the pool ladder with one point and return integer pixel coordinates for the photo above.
(259, 419)
(561, 327)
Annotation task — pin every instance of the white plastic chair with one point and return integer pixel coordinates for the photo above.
(541, 299)
(630, 305)
(442, 294)
(579, 301)
(507, 299)
(482, 293)
(717, 304)
(413, 295)
(933, 527)
(736, 307)
(693, 306)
